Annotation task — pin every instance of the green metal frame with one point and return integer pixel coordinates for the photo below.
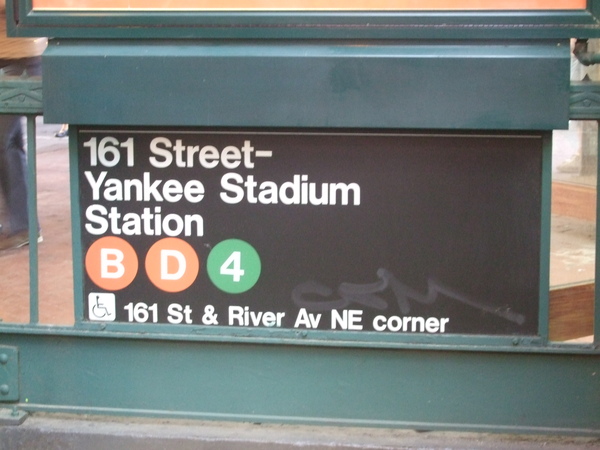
(477, 383)
(304, 25)
(474, 383)
(504, 343)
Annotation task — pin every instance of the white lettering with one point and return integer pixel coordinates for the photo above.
(146, 189)
(94, 215)
(231, 157)
(227, 184)
(178, 261)
(244, 317)
(95, 184)
(298, 191)
(164, 153)
(150, 223)
(307, 320)
(111, 260)
(348, 320)
(178, 313)
(410, 324)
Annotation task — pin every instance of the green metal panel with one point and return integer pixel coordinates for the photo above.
(297, 384)
(467, 86)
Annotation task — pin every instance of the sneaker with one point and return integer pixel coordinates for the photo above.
(17, 240)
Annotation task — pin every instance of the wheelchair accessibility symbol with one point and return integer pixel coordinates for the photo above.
(101, 306)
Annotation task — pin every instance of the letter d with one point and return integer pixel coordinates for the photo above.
(180, 261)
(172, 264)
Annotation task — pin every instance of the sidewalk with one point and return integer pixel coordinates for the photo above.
(50, 432)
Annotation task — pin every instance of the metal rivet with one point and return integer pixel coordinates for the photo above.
(3, 358)
(4, 389)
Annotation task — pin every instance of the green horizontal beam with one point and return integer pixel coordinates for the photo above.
(292, 337)
(236, 24)
(522, 86)
(310, 385)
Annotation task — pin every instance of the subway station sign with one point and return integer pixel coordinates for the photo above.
(379, 232)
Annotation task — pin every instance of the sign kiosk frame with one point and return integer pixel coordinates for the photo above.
(405, 119)
(579, 18)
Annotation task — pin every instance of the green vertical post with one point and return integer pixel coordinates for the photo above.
(33, 220)
(546, 206)
(75, 227)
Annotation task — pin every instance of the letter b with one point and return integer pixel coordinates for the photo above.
(111, 263)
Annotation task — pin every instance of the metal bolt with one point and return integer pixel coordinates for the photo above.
(4, 389)
(3, 358)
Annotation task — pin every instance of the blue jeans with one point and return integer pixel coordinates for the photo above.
(13, 159)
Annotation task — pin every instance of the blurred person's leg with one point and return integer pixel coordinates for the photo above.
(13, 162)
(13, 173)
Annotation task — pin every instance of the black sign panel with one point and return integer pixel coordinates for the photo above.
(392, 233)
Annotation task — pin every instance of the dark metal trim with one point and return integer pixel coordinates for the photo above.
(305, 24)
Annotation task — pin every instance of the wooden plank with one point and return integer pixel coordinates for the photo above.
(571, 312)
(574, 201)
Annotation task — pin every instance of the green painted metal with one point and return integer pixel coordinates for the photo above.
(9, 374)
(340, 339)
(305, 25)
(546, 208)
(23, 95)
(451, 390)
(585, 100)
(516, 86)
(33, 219)
(75, 231)
(20, 95)
(424, 382)
(12, 416)
(478, 383)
